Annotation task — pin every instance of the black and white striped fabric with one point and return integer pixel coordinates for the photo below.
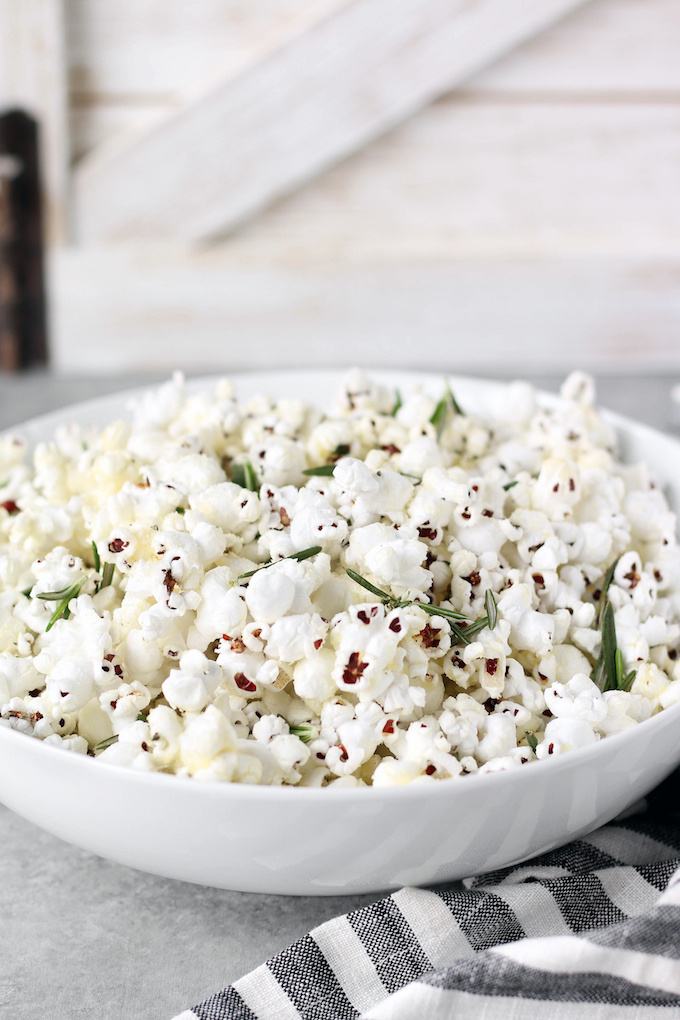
(587, 932)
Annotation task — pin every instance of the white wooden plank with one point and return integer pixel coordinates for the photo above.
(466, 180)
(33, 77)
(610, 46)
(313, 100)
(130, 62)
(541, 236)
(118, 309)
(158, 49)
(105, 123)
(161, 47)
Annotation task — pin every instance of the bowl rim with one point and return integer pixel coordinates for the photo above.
(444, 787)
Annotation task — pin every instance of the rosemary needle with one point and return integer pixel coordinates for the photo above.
(369, 587)
(304, 554)
(447, 403)
(243, 474)
(103, 744)
(462, 628)
(66, 594)
(491, 608)
(608, 578)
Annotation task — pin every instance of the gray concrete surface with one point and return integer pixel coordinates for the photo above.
(84, 939)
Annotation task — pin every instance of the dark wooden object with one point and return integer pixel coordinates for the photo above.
(23, 342)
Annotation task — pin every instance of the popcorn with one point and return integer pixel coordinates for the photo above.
(229, 507)
(293, 638)
(17, 677)
(312, 677)
(624, 710)
(579, 698)
(565, 735)
(284, 588)
(165, 729)
(316, 522)
(391, 772)
(499, 738)
(392, 555)
(651, 683)
(532, 630)
(124, 704)
(205, 738)
(357, 740)
(279, 461)
(366, 642)
(189, 688)
(222, 609)
(428, 605)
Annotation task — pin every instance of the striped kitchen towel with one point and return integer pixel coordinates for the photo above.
(590, 931)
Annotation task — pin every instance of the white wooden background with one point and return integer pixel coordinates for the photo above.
(529, 218)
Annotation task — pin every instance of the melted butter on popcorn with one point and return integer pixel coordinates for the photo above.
(168, 659)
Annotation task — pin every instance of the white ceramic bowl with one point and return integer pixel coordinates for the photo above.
(322, 842)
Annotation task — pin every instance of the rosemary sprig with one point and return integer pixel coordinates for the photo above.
(454, 403)
(251, 573)
(325, 470)
(609, 647)
(608, 673)
(398, 402)
(474, 628)
(447, 403)
(448, 614)
(383, 595)
(511, 485)
(462, 634)
(103, 744)
(609, 668)
(623, 683)
(95, 556)
(598, 672)
(627, 680)
(244, 475)
(107, 575)
(305, 731)
(304, 554)
(180, 510)
(459, 635)
(66, 594)
(438, 418)
(532, 741)
(608, 578)
(57, 596)
(491, 608)
(251, 477)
